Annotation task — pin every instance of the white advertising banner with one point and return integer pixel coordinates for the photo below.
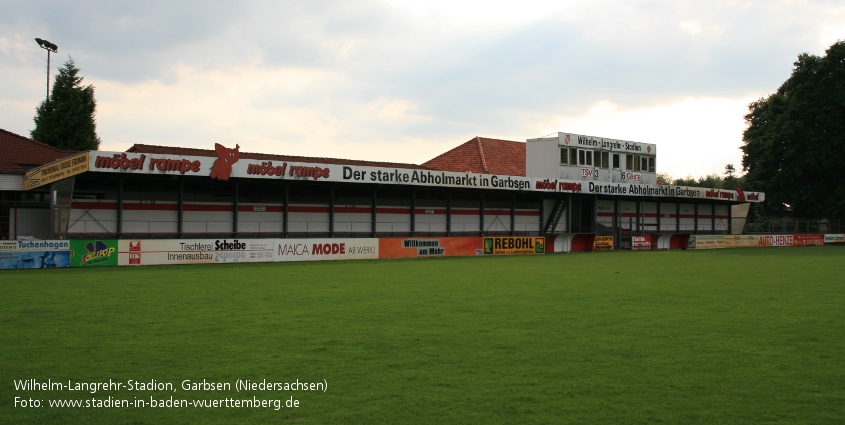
(834, 238)
(193, 251)
(604, 143)
(325, 249)
(229, 164)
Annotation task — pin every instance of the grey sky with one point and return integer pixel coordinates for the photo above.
(406, 80)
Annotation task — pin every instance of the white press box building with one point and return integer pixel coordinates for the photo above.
(567, 187)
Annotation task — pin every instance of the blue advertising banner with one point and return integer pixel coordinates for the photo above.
(34, 254)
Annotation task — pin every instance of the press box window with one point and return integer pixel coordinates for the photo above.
(616, 162)
(568, 156)
(602, 159)
(632, 162)
(585, 157)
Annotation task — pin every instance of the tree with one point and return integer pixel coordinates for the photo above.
(710, 181)
(664, 178)
(66, 119)
(730, 180)
(794, 146)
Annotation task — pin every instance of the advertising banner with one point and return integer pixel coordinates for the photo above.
(740, 241)
(55, 171)
(93, 253)
(834, 238)
(706, 242)
(775, 240)
(750, 241)
(325, 249)
(133, 252)
(603, 243)
(641, 243)
(510, 245)
(807, 240)
(229, 164)
(429, 247)
(34, 254)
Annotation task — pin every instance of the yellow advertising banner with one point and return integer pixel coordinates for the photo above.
(509, 245)
(603, 243)
(749, 241)
(55, 171)
(740, 241)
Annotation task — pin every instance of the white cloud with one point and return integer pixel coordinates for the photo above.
(691, 27)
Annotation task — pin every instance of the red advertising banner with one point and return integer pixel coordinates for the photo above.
(807, 240)
(641, 243)
(429, 247)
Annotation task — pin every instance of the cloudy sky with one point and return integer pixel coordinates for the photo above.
(403, 81)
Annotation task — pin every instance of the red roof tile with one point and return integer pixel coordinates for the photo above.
(167, 150)
(18, 153)
(483, 155)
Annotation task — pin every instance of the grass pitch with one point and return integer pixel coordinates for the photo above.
(722, 336)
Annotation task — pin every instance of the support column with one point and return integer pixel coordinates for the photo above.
(285, 212)
(617, 218)
(639, 219)
(542, 214)
(595, 224)
(513, 215)
(235, 205)
(413, 212)
(713, 219)
(331, 212)
(481, 215)
(374, 212)
(119, 207)
(730, 219)
(180, 211)
(448, 213)
(659, 227)
(677, 217)
(695, 215)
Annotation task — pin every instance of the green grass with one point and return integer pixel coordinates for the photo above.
(724, 336)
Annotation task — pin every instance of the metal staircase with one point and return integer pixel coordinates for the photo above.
(554, 218)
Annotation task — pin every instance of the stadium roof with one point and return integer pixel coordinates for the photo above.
(19, 154)
(483, 156)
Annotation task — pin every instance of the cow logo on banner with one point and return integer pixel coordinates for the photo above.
(222, 168)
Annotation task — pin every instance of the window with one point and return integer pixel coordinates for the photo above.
(568, 156)
(616, 163)
(636, 163)
(644, 163)
(602, 159)
(651, 166)
(585, 157)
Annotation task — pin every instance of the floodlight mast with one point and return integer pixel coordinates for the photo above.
(49, 47)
